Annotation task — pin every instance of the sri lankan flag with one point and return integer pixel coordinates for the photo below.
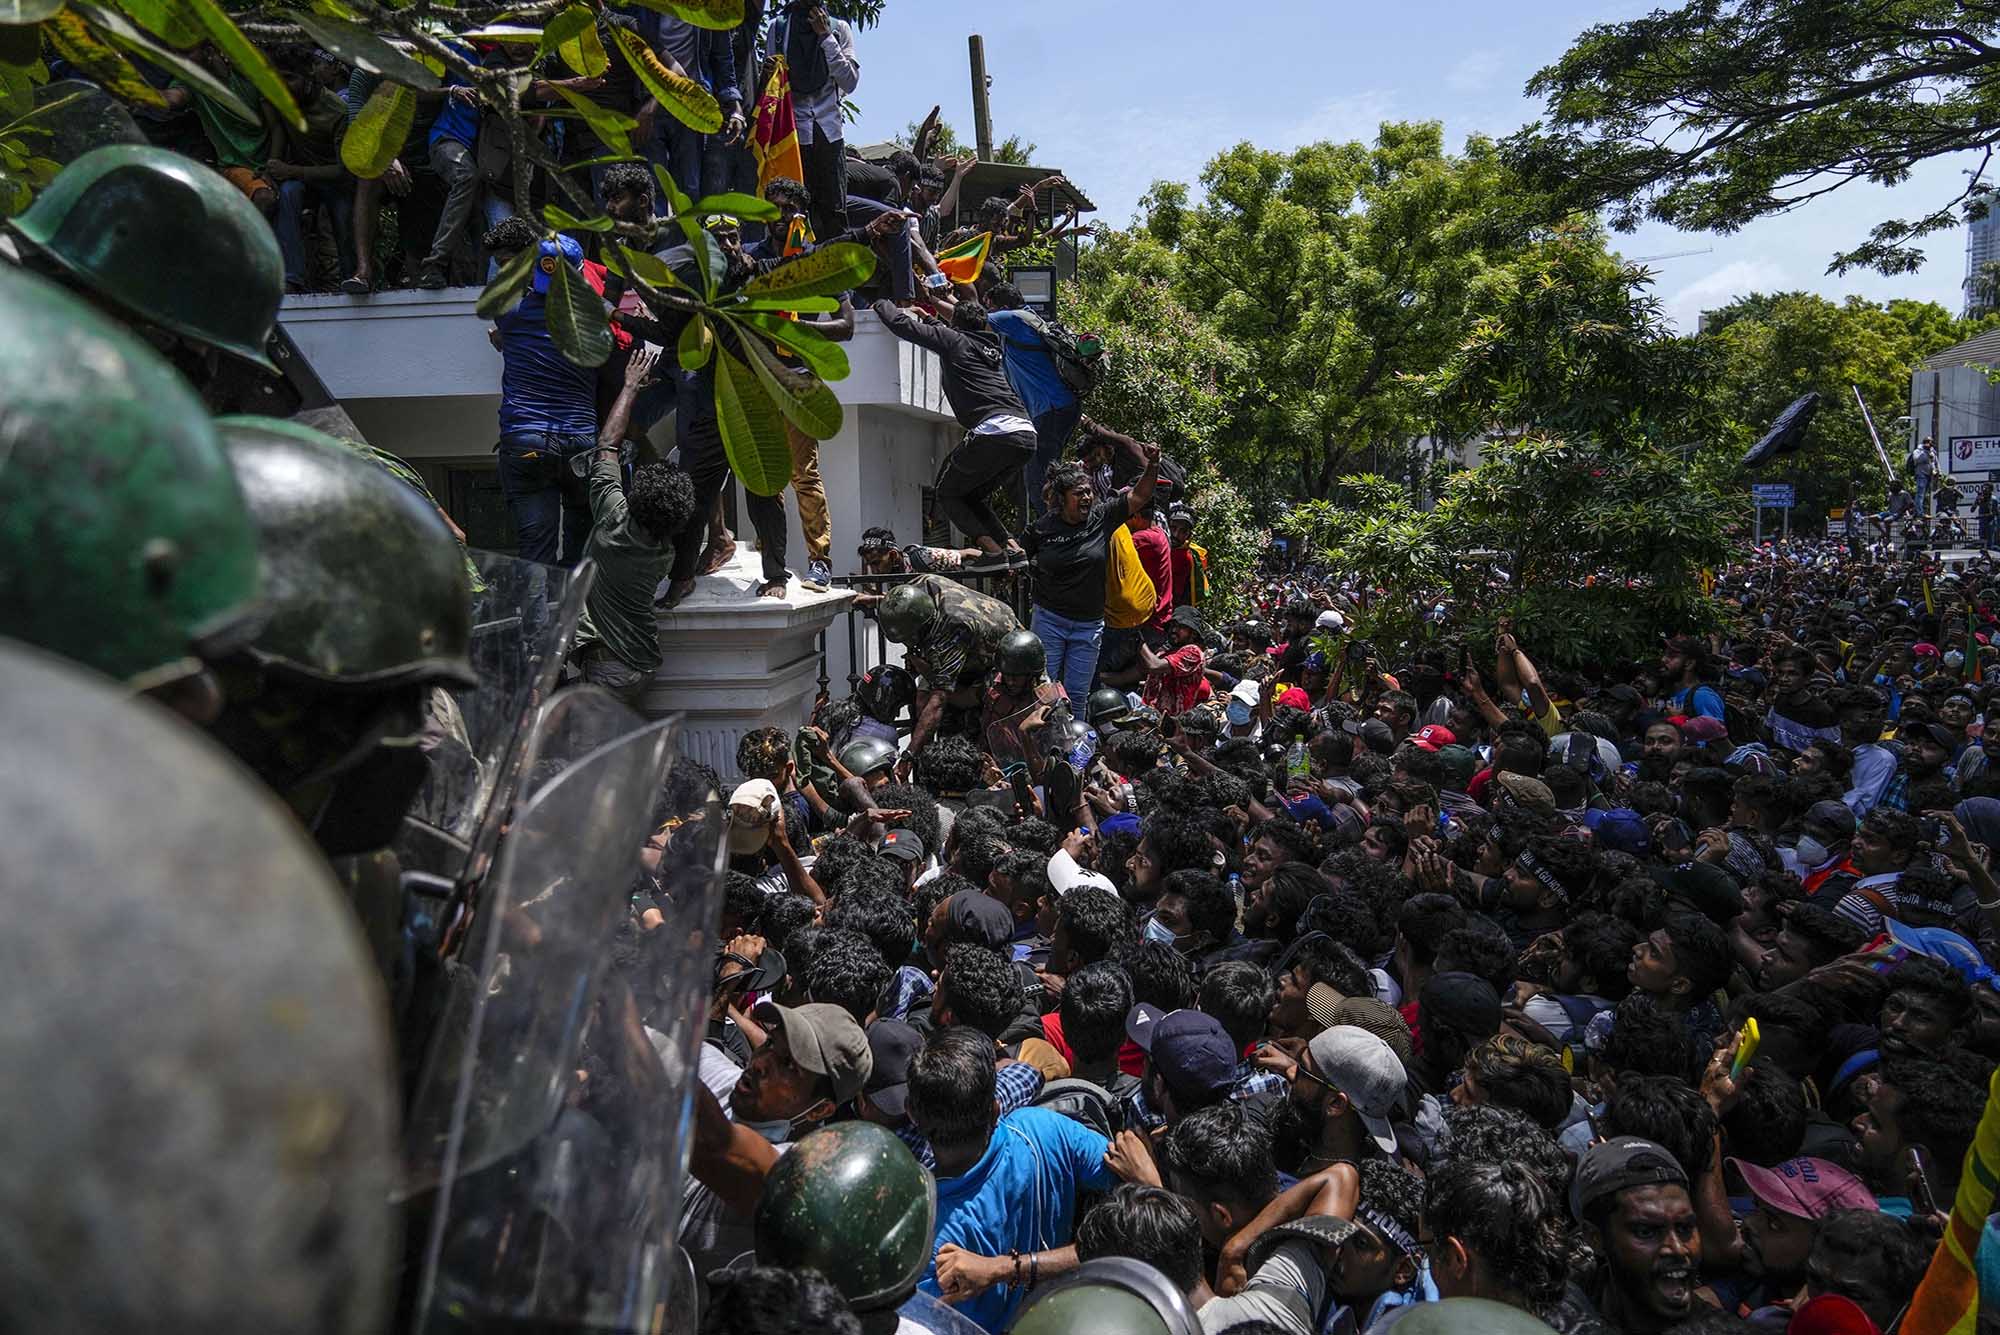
(961, 263)
(775, 141)
(1947, 1302)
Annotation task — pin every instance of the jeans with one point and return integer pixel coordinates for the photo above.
(549, 502)
(453, 163)
(1052, 432)
(1923, 495)
(973, 472)
(337, 198)
(1071, 647)
(894, 276)
(495, 207)
(707, 465)
(678, 149)
(826, 180)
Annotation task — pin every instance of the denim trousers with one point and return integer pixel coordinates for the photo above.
(1071, 647)
(550, 504)
(1052, 432)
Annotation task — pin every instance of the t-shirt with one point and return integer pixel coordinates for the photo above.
(1183, 567)
(457, 118)
(541, 391)
(326, 120)
(1030, 369)
(237, 142)
(1158, 563)
(1019, 1197)
(1069, 559)
(1286, 1291)
(1698, 702)
(1181, 684)
(630, 564)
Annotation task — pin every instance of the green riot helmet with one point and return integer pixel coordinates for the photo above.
(125, 543)
(364, 584)
(867, 755)
(907, 613)
(1107, 705)
(201, 1087)
(167, 239)
(1112, 1295)
(1470, 1316)
(1022, 655)
(853, 1203)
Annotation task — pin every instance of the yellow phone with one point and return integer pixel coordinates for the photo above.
(1747, 1048)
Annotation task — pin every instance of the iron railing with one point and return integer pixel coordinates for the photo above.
(868, 647)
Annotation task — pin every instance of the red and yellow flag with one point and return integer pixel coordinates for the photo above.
(1947, 1301)
(775, 141)
(961, 263)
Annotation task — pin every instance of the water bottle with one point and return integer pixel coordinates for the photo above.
(1298, 764)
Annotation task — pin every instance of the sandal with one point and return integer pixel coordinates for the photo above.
(354, 285)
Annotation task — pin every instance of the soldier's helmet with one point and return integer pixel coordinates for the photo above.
(201, 1090)
(1107, 704)
(1022, 654)
(884, 690)
(125, 543)
(907, 613)
(1112, 1295)
(865, 755)
(853, 1203)
(1471, 1316)
(167, 239)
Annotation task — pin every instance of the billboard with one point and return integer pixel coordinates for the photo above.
(1973, 454)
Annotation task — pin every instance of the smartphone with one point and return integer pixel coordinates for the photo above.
(1024, 795)
(1169, 726)
(1921, 1197)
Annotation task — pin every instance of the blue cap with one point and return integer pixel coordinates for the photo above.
(1620, 829)
(1190, 1049)
(550, 251)
(1945, 946)
(1122, 823)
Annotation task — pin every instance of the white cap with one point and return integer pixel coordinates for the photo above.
(1065, 875)
(1247, 691)
(1330, 620)
(752, 808)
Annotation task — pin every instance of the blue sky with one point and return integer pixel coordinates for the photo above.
(1119, 95)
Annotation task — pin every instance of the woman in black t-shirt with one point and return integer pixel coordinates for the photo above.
(1069, 547)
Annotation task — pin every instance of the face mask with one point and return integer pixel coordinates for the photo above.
(779, 1132)
(1238, 712)
(1158, 931)
(1811, 851)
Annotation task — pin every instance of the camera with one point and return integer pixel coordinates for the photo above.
(1360, 651)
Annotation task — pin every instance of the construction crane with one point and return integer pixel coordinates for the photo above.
(1674, 255)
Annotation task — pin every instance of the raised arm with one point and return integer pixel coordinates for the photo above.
(909, 328)
(1140, 498)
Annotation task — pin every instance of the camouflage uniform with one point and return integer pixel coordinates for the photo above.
(962, 648)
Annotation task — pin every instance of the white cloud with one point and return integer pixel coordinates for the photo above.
(1474, 72)
(1349, 116)
(1718, 288)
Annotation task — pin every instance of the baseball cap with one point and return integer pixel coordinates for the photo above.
(1432, 737)
(1190, 1049)
(1805, 1187)
(824, 1040)
(1295, 697)
(902, 845)
(1377, 736)
(1831, 815)
(892, 1046)
(1330, 620)
(552, 251)
(1464, 1001)
(752, 808)
(1935, 732)
(1247, 692)
(1367, 1071)
(1712, 891)
(1460, 764)
(1380, 1019)
(1620, 829)
(979, 919)
(1527, 794)
(1702, 728)
(1610, 1166)
(1066, 874)
(1831, 1314)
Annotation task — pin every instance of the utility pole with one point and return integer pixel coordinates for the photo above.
(982, 112)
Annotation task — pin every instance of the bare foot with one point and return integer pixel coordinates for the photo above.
(717, 555)
(676, 593)
(772, 589)
(1014, 548)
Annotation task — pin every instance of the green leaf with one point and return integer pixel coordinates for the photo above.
(379, 131)
(797, 392)
(572, 35)
(679, 96)
(245, 56)
(507, 285)
(23, 13)
(169, 20)
(114, 27)
(753, 430)
(652, 269)
(800, 305)
(825, 272)
(609, 126)
(577, 322)
(720, 15)
(747, 207)
(696, 344)
(563, 222)
(826, 358)
(677, 202)
(76, 43)
(358, 46)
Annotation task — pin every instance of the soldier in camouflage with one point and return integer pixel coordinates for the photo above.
(952, 637)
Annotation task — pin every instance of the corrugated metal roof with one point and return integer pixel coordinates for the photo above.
(1004, 179)
(1981, 351)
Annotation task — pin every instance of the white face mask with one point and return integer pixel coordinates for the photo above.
(1159, 931)
(781, 1131)
(1812, 852)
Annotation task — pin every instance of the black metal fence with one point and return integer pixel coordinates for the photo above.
(868, 647)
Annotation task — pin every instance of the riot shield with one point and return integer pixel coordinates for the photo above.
(547, 1140)
(523, 617)
(1015, 741)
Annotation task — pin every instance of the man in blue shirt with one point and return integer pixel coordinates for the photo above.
(1684, 668)
(1052, 405)
(1005, 1187)
(454, 135)
(548, 408)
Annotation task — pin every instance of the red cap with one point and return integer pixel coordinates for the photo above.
(1806, 1188)
(1296, 698)
(1432, 737)
(1831, 1314)
(1702, 728)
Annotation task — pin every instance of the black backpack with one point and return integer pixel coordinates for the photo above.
(1078, 358)
(1084, 1102)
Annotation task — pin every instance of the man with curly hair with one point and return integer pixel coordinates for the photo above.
(618, 638)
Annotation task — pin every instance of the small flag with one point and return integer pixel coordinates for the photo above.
(1930, 604)
(962, 262)
(798, 237)
(775, 141)
(1947, 1301)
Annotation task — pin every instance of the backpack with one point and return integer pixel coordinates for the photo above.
(1078, 358)
(1084, 1102)
(1129, 595)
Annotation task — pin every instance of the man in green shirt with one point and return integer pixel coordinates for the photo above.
(241, 147)
(618, 638)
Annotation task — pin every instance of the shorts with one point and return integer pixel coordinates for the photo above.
(248, 180)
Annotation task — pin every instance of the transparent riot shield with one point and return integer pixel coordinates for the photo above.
(523, 617)
(547, 1140)
(1016, 740)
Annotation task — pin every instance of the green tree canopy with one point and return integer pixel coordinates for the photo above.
(1718, 112)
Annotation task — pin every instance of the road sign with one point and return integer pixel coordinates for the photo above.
(1774, 495)
(1836, 528)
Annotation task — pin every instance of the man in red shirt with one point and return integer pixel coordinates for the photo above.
(1151, 543)
(1178, 681)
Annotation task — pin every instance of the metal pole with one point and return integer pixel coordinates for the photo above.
(1757, 528)
(982, 113)
(1788, 523)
